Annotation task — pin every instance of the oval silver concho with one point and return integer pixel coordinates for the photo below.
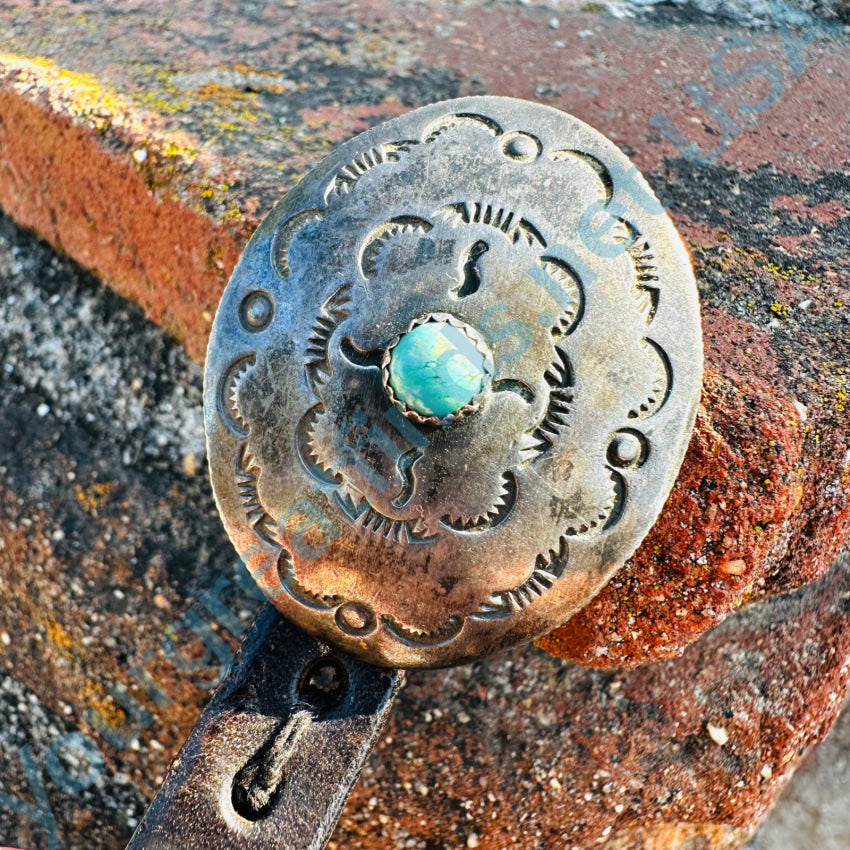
(451, 381)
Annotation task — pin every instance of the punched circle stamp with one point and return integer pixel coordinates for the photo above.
(451, 381)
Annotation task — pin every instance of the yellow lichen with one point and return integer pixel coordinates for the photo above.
(94, 496)
(789, 273)
(59, 637)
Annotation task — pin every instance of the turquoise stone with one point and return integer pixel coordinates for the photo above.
(435, 369)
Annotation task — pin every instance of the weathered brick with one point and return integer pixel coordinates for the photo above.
(146, 143)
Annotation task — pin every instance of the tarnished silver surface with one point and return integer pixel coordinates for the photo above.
(410, 540)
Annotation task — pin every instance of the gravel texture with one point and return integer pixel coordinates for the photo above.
(109, 808)
(102, 482)
(750, 13)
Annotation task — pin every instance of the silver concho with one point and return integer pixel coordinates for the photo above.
(451, 381)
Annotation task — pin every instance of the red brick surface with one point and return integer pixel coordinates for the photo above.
(196, 118)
